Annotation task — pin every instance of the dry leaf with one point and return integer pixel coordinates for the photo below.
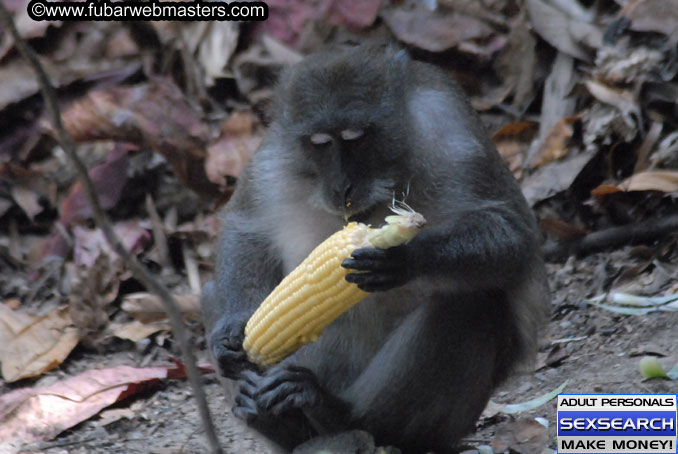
(517, 62)
(666, 154)
(354, 14)
(652, 180)
(556, 101)
(492, 409)
(628, 65)
(603, 126)
(522, 129)
(13, 303)
(5, 205)
(217, 44)
(434, 31)
(93, 288)
(555, 177)
(561, 229)
(155, 115)
(27, 27)
(555, 145)
(287, 18)
(29, 415)
(121, 44)
(258, 65)
(647, 146)
(19, 81)
(523, 435)
(229, 154)
(621, 99)
(32, 345)
(107, 417)
(652, 16)
(513, 153)
(556, 356)
(109, 178)
(604, 189)
(512, 142)
(147, 307)
(89, 244)
(135, 330)
(279, 52)
(30, 186)
(28, 200)
(554, 26)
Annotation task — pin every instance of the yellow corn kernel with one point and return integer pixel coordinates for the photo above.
(315, 293)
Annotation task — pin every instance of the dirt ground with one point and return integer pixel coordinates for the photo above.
(598, 353)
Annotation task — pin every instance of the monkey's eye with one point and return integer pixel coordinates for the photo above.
(352, 134)
(320, 138)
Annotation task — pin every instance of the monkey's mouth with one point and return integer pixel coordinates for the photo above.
(359, 216)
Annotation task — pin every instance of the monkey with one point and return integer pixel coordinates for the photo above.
(450, 314)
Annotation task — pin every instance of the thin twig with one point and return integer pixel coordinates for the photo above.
(648, 230)
(568, 340)
(139, 271)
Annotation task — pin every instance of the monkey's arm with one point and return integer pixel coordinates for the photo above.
(480, 248)
(246, 272)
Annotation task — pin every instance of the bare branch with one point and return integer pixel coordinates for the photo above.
(139, 271)
(649, 230)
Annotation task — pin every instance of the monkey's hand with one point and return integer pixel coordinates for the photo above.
(276, 392)
(379, 269)
(225, 342)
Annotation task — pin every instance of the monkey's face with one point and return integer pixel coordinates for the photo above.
(351, 176)
(345, 113)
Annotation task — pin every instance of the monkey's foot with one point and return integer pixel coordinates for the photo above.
(275, 392)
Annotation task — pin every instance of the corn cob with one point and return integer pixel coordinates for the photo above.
(315, 293)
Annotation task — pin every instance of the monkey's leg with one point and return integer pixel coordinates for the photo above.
(432, 378)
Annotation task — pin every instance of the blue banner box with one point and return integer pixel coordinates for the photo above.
(617, 423)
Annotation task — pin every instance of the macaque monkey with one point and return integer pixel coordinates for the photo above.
(451, 313)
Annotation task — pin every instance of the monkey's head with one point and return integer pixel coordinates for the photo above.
(343, 116)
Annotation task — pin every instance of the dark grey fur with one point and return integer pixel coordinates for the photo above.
(454, 311)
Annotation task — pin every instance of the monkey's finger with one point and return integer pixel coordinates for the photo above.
(370, 254)
(294, 401)
(231, 368)
(295, 387)
(245, 413)
(301, 370)
(229, 359)
(243, 401)
(222, 351)
(247, 389)
(370, 265)
(283, 375)
(252, 377)
(377, 277)
(376, 282)
(272, 399)
(226, 343)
